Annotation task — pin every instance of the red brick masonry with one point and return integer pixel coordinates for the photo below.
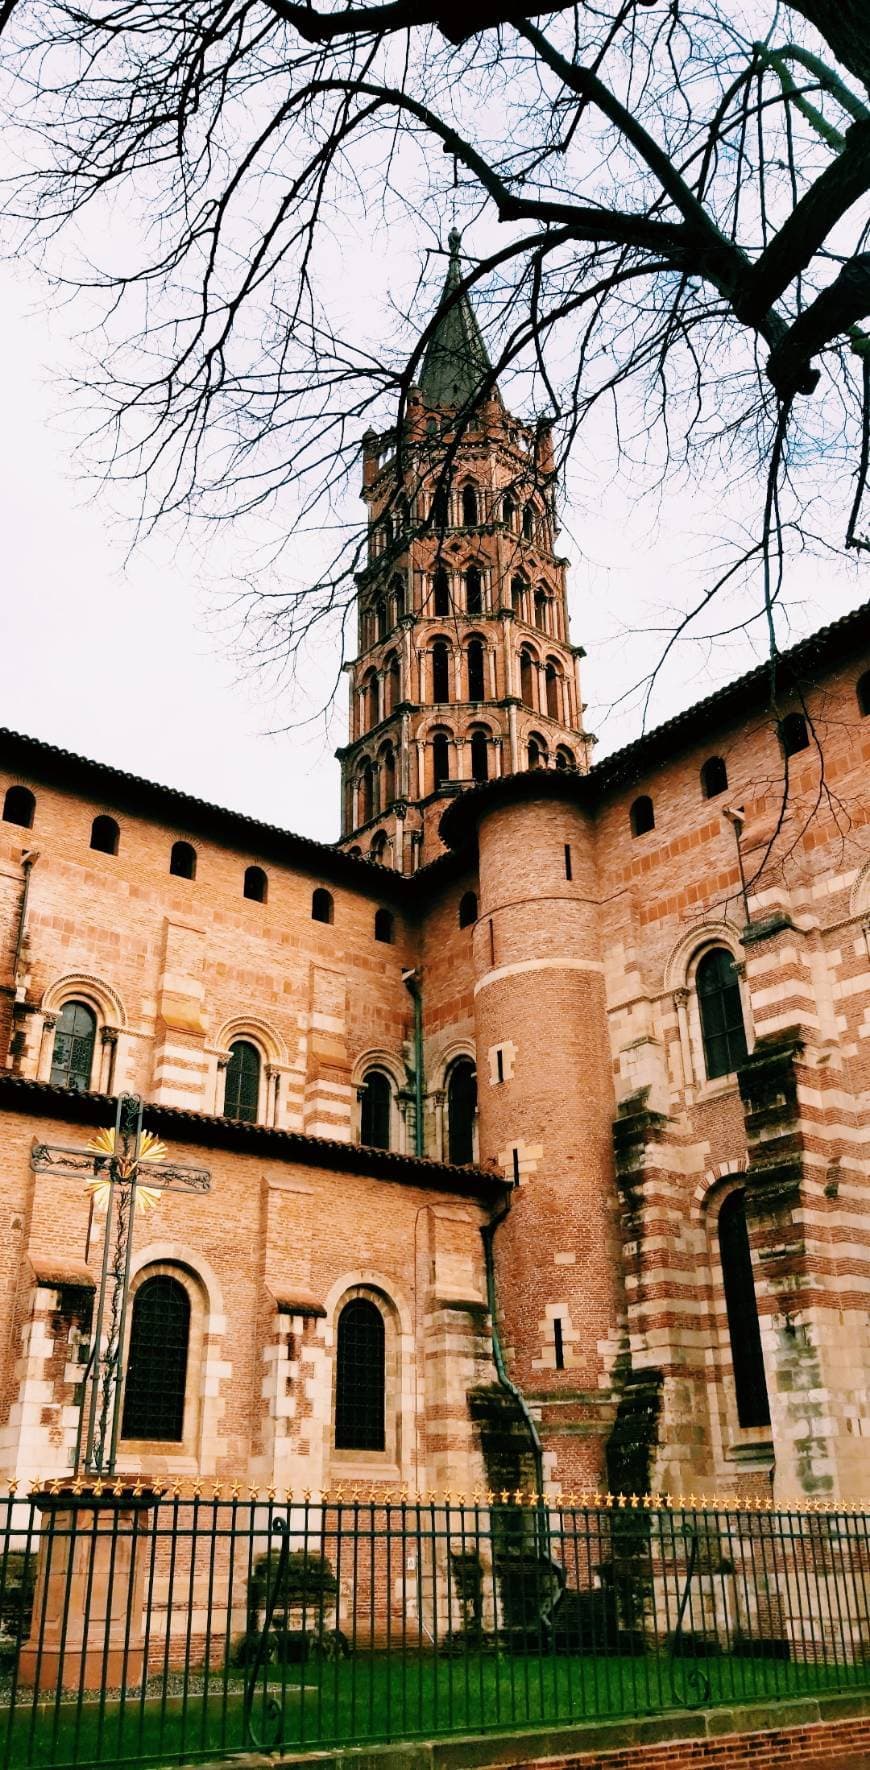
(827, 1745)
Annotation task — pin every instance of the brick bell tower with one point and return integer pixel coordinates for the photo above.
(465, 670)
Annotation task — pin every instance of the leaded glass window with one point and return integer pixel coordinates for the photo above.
(721, 1009)
(461, 1109)
(750, 1382)
(242, 1091)
(360, 1378)
(156, 1377)
(74, 1041)
(375, 1110)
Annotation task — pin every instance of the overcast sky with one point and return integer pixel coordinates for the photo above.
(120, 655)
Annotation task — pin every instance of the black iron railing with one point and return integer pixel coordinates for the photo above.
(148, 1625)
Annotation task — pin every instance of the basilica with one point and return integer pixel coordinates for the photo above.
(534, 1110)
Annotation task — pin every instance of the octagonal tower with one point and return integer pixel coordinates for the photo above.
(465, 670)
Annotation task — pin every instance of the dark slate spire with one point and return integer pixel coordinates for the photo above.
(456, 361)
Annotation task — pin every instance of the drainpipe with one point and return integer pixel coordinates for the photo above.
(28, 861)
(488, 1235)
(411, 980)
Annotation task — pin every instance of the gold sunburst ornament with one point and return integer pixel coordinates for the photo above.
(150, 1150)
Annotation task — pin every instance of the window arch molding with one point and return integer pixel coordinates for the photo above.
(207, 1325)
(859, 896)
(375, 1287)
(110, 1015)
(680, 980)
(271, 1050)
(392, 1068)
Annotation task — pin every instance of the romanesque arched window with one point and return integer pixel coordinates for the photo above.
(19, 806)
(461, 1110)
(371, 699)
(518, 590)
(528, 523)
(793, 734)
(182, 860)
(74, 1040)
(479, 756)
(393, 684)
(470, 516)
(565, 758)
(378, 848)
(474, 670)
(747, 1359)
(714, 777)
(473, 591)
(508, 512)
(322, 907)
(382, 618)
(375, 1110)
(360, 1377)
(441, 593)
(440, 757)
(156, 1375)
(397, 597)
(105, 835)
(256, 885)
(440, 670)
(553, 679)
(366, 793)
(721, 1009)
(467, 909)
(642, 817)
(388, 775)
(527, 672)
(242, 1085)
(440, 507)
(536, 752)
(541, 611)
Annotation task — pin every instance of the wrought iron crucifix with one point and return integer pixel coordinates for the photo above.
(124, 1167)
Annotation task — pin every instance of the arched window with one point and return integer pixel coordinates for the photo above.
(517, 593)
(441, 593)
(793, 734)
(467, 909)
(382, 619)
(256, 885)
(371, 699)
(565, 758)
(541, 611)
(747, 1359)
(182, 860)
(105, 835)
(388, 775)
(528, 523)
(527, 694)
(642, 816)
(479, 756)
(440, 671)
(156, 1377)
(384, 926)
(508, 512)
(360, 1377)
(397, 592)
(374, 1126)
(473, 591)
(441, 757)
(536, 752)
(862, 690)
(378, 848)
(553, 678)
(469, 507)
(474, 667)
(242, 1088)
(322, 907)
(721, 1010)
(461, 1110)
(367, 792)
(19, 806)
(714, 777)
(394, 685)
(441, 507)
(74, 1040)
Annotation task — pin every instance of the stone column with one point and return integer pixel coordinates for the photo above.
(512, 736)
(46, 1051)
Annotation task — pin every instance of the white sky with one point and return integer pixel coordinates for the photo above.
(119, 656)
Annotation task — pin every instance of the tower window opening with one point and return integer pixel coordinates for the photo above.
(536, 752)
(553, 682)
(397, 593)
(517, 593)
(440, 671)
(474, 662)
(744, 1331)
(378, 848)
(540, 611)
(714, 777)
(499, 1064)
(440, 508)
(565, 757)
(467, 909)
(322, 907)
(441, 593)
(793, 734)
(461, 1111)
(479, 756)
(182, 860)
(384, 926)
(256, 885)
(388, 775)
(441, 757)
(19, 807)
(367, 793)
(515, 1154)
(527, 693)
(558, 1344)
(382, 618)
(528, 523)
(105, 835)
(470, 516)
(508, 512)
(473, 591)
(393, 685)
(568, 867)
(862, 690)
(642, 817)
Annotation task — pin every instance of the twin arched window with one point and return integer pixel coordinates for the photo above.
(461, 1111)
(375, 1110)
(721, 1010)
(74, 1040)
(242, 1088)
(19, 806)
(360, 1377)
(156, 1377)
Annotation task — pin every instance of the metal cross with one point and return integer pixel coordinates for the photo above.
(119, 1161)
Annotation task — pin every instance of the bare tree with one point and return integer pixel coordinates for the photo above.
(681, 189)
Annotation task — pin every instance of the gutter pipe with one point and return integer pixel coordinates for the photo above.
(411, 980)
(488, 1236)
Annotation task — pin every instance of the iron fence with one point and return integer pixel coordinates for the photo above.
(146, 1626)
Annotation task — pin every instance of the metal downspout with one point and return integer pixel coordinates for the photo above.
(28, 861)
(488, 1235)
(411, 980)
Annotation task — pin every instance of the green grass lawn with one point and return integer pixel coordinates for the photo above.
(373, 1697)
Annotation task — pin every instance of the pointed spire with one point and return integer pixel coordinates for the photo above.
(456, 361)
